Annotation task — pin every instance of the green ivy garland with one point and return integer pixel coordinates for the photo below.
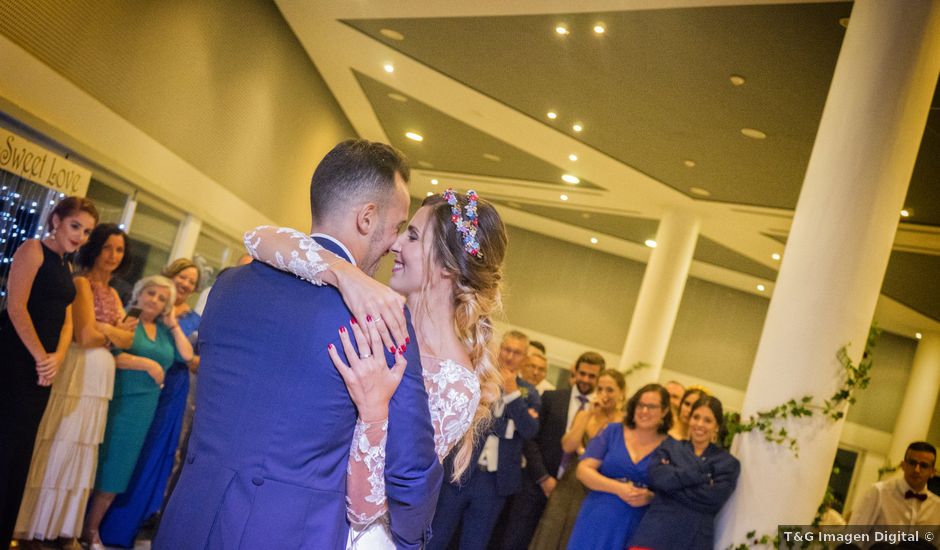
(855, 377)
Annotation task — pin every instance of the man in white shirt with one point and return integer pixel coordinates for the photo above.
(903, 500)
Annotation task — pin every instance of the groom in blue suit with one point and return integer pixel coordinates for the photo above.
(266, 466)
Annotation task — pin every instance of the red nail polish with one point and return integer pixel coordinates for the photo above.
(402, 349)
(391, 349)
(353, 321)
(407, 339)
(369, 318)
(342, 330)
(330, 346)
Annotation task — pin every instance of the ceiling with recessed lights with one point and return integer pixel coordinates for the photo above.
(588, 121)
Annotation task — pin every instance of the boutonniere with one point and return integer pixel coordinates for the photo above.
(524, 391)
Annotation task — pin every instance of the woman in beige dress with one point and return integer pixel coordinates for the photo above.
(62, 472)
(562, 509)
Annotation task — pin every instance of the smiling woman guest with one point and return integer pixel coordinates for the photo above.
(35, 333)
(614, 467)
(144, 494)
(158, 342)
(680, 426)
(692, 480)
(62, 473)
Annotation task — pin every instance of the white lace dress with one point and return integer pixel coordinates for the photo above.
(453, 396)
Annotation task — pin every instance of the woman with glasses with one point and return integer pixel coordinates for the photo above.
(615, 468)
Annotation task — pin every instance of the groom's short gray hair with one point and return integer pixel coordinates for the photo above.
(354, 172)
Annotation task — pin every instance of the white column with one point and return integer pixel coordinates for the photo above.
(660, 294)
(837, 253)
(920, 398)
(186, 236)
(127, 216)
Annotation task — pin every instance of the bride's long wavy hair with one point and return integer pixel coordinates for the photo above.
(477, 298)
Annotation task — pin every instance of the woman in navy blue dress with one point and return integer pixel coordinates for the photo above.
(614, 467)
(691, 480)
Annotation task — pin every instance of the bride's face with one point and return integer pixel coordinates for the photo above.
(412, 250)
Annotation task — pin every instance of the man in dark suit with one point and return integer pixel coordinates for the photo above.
(495, 472)
(266, 465)
(543, 454)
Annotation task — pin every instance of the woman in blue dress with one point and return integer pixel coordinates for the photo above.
(614, 467)
(691, 480)
(144, 495)
(158, 343)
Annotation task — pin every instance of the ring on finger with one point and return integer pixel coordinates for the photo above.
(365, 356)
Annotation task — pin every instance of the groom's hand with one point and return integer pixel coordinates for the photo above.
(367, 297)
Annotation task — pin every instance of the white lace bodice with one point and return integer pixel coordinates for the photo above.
(453, 397)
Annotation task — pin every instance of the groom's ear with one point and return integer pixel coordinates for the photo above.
(367, 218)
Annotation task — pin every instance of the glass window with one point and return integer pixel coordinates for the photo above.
(109, 202)
(151, 238)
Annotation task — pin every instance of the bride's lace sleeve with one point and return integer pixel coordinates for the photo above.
(289, 250)
(365, 473)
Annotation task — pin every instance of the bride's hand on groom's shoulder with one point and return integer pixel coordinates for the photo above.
(368, 377)
(367, 297)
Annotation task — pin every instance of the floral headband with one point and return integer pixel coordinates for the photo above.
(466, 226)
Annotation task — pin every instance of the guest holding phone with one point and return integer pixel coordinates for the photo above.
(35, 333)
(158, 342)
(144, 495)
(62, 473)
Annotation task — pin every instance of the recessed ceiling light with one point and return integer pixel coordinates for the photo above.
(563, 197)
(599, 28)
(689, 163)
(844, 21)
(593, 240)
(425, 164)
(562, 30)
(389, 68)
(761, 288)
(918, 335)
(397, 97)
(775, 257)
(905, 213)
(753, 133)
(552, 115)
(650, 243)
(434, 181)
(394, 35)
(577, 127)
(700, 192)
(430, 193)
(492, 157)
(414, 136)
(571, 179)
(737, 80)
(572, 157)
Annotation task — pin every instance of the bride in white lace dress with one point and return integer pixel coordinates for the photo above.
(448, 265)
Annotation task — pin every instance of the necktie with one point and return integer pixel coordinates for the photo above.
(919, 496)
(583, 400)
(568, 457)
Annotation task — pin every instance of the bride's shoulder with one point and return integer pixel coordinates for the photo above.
(451, 372)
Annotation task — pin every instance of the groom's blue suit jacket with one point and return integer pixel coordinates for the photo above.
(266, 466)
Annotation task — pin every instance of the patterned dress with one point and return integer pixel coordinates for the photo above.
(453, 397)
(62, 473)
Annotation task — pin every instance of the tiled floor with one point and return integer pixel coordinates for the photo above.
(141, 544)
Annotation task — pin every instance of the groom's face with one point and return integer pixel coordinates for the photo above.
(393, 216)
